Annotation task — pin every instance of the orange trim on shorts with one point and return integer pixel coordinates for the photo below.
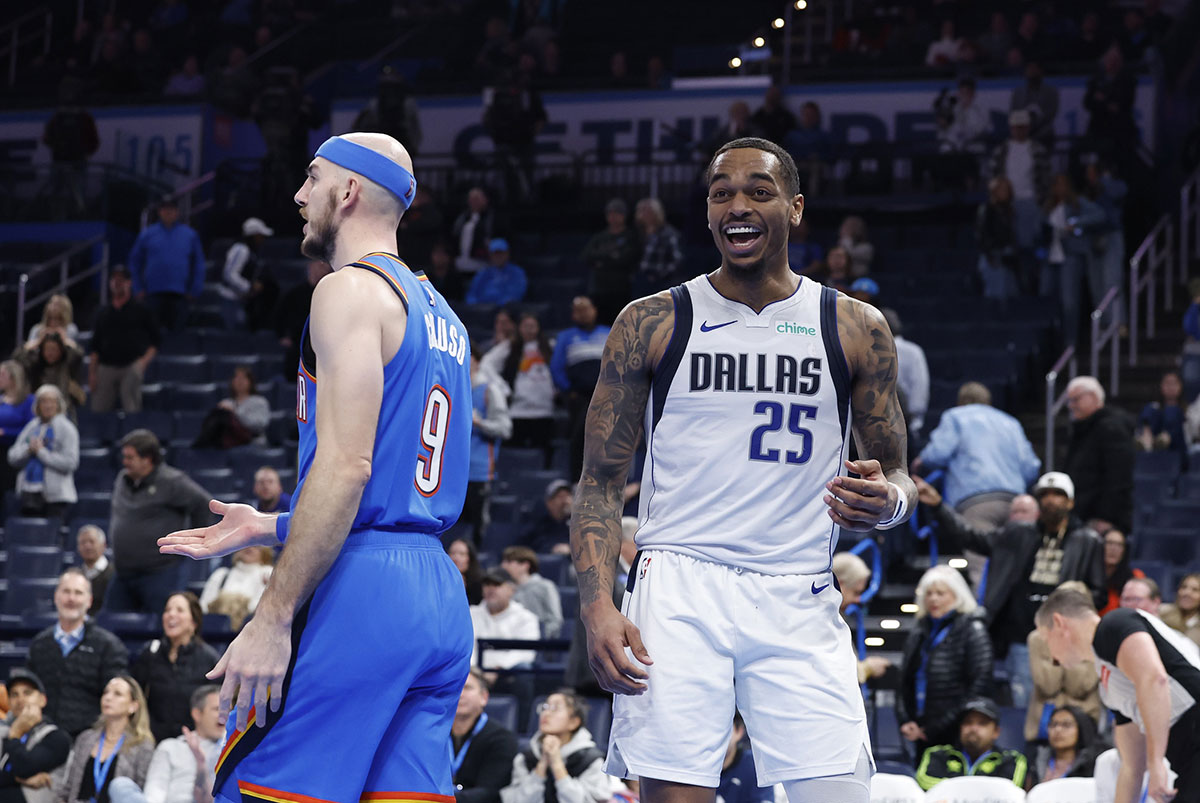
(276, 795)
(234, 738)
(406, 797)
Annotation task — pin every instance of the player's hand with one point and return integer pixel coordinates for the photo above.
(608, 635)
(240, 526)
(1158, 788)
(926, 493)
(254, 666)
(859, 505)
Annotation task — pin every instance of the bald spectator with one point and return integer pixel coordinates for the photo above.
(75, 658)
(1023, 508)
(90, 543)
(538, 594)
(269, 496)
(1100, 457)
(1141, 593)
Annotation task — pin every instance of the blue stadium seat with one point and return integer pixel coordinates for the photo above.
(96, 429)
(184, 341)
(220, 482)
(30, 532)
(130, 623)
(177, 368)
(160, 422)
(1189, 484)
(30, 595)
(156, 396)
(502, 709)
(529, 485)
(1157, 463)
(570, 601)
(189, 459)
(554, 567)
(201, 396)
(1160, 571)
(216, 624)
(187, 425)
(1012, 728)
(222, 342)
(885, 734)
(220, 366)
(499, 535)
(512, 461)
(1177, 545)
(1178, 513)
(94, 505)
(30, 562)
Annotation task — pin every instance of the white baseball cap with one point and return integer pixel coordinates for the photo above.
(254, 225)
(1055, 481)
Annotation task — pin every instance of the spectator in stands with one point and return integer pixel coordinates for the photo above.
(90, 544)
(962, 129)
(947, 50)
(149, 500)
(523, 363)
(269, 496)
(1027, 562)
(491, 424)
(835, 271)
(33, 746)
(1074, 222)
(240, 419)
(504, 328)
(473, 230)
(513, 116)
(499, 617)
(1056, 686)
(986, 456)
(773, 118)
(947, 660)
(1026, 165)
(538, 594)
(852, 236)
(46, 454)
(853, 575)
(167, 263)
(1107, 268)
(1117, 570)
(1099, 457)
(235, 591)
(1039, 99)
(71, 136)
(173, 666)
(16, 410)
(422, 227)
(974, 751)
(1160, 426)
(246, 277)
(1184, 613)
(865, 289)
(995, 43)
(662, 251)
(996, 230)
(145, 63)
(739, 780)
(75, 658)
(575, 366)
(810, 145)
(483, 749)
(1023, 508)
(611, 257)
(125, 339)
(912, 375)
(501, 281)
(1133, 38)
(187, 81)
(442, 273)
(1073, 746)
(54, 361)
(57, 316)
(463, 553)
(551, 530)
(737, 124)
(561, 751)
(804, 255)
(182, 767)
(118, 745)
(234, 85)
(1143, 594)
(292, 314)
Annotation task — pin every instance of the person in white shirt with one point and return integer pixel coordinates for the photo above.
(912, 375)
(90, 543)
(182, 768)
(970, 124)
(236, 591)
(947, 50)
(1026, 165)
(499, 617)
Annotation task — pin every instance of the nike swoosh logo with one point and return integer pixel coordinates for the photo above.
(816, 590)
(704, 327)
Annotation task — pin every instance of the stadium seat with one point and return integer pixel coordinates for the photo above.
(1156, 463)
(26, 594)
(885, 734)
(1189, 484)
(189, 459)
(185, 342)
(502, 709)
(30, 531)
(513, 461)
(220, 366)
(173, 368)
(1063, 790)
(201, 396)
(894, 788)
(554, 567)
(160, 422)
(216, 624)
(96, 429)
(570, 601)
(1178, 513)
(187, 425)
(975, 789)
(94, 505)
(1178, 545)
(130, 624)
(31, 562)
(1012, 728)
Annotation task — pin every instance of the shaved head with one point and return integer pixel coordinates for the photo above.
(375, 199)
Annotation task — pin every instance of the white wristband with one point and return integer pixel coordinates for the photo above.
(901, 512)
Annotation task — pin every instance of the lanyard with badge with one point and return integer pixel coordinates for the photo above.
(938, 636)
(100, 768)
(461, 753)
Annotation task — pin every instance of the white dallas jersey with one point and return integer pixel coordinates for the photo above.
(748, 418)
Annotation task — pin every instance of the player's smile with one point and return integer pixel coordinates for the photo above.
(742, 238)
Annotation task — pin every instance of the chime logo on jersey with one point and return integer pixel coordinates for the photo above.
(301, 399)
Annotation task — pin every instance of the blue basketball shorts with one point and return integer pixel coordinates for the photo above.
(379, 658)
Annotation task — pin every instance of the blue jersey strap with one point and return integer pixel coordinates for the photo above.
(281, 526)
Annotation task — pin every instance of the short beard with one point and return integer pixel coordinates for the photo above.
(321, 242)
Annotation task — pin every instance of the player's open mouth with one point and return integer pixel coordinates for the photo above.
(742, 237)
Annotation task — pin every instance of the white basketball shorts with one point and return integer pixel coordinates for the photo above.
(720, 636)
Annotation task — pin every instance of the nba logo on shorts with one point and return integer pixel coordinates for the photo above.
(301, 400)
(645, 567)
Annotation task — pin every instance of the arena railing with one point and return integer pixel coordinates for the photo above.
(1154, 257)
(1056, 401)
(189, 207)
(1189, 224)
(66, 278)
(928, 530)
(1108, 336)
(858, 609)
(13, 38)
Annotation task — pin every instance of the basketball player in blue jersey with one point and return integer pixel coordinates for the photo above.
(354, 661)
(745, 384)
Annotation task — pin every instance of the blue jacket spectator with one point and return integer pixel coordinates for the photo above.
(1191, 320)
(808, 142)
(499, 283)
(16, 408)
(575, 364)
(167, 257)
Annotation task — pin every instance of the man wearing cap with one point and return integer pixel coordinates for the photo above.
(1026, 164)
(501, 282)
(245, 276)
(976, 753)
(32, 746)
(167, 263)
(551, 531)
(865, 290)
(611, 257)
(1027, 562)
(125, 338)
(500, 617)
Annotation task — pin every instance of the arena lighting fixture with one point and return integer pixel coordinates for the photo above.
(958, 563)
(777, 23)
(873, 641)
(890, 624)
(734, 63)
(801, 5)
(909, 607)
(759, 41)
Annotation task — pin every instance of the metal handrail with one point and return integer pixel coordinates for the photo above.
(1109, 337)
(1189, 223)
(1055, 403)
(1157, 254)
(12, 31)
(66, 279)
(183, 196)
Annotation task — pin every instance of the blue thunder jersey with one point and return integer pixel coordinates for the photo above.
(423, 438)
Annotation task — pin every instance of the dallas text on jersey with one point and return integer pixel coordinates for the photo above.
(736, 372)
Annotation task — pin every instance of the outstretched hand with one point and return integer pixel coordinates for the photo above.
(240, 526)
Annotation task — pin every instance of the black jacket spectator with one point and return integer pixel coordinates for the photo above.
(168, 686)
(959, 669)
(1100, 462)
(44, 748)
(122, 335)
(75, 682)
(486, 766)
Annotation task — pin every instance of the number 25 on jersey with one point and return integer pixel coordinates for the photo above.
(433, 441)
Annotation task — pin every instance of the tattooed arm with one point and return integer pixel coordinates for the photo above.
(614, 426)
(879, 429)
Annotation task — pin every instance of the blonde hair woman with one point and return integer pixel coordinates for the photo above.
(57, 316)
(947, 660)
(119, 745)
(16, 410)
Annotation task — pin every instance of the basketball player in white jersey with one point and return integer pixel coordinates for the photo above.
(745, 383)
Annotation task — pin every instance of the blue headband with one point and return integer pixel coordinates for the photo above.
(369, 164)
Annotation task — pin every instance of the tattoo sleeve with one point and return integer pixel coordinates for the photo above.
(613, 430)
(879, 427)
